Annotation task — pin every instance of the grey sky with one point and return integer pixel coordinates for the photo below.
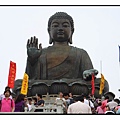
(96, 31)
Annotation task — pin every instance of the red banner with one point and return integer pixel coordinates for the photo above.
(93, 84)
(12, 74)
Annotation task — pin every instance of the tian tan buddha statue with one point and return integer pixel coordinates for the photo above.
(59, 67)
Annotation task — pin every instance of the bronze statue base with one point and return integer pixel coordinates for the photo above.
(76, 86)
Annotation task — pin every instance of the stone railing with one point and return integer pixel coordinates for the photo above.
(50, 107)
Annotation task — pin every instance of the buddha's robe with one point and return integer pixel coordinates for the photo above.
(59, 62)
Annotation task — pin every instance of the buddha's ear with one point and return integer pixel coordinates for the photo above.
(70, 39)
(50, 39)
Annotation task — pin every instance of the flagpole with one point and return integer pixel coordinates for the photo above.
(100, 73)
(119, 55)
(119, 62)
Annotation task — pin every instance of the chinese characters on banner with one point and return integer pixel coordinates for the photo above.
(24, 87)
(12, 74)
(102, 84)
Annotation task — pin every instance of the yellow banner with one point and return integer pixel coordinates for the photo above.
(102, 84)
(24, 88)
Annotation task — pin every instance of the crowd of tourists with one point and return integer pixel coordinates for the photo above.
(11, 103)
(81, 104)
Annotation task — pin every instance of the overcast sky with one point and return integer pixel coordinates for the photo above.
(97, 30)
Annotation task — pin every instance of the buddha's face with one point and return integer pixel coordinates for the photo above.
(60, 30)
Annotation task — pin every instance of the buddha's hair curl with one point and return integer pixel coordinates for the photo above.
(61, 15)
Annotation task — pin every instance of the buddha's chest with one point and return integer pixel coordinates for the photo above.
(56, 56)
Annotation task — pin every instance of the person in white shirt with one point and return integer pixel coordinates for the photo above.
(60, 97)
(112, 104)
(88, 102)
(29, 103)
(79, 107)
(63, 100)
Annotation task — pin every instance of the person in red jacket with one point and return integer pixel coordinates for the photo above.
(104, 103)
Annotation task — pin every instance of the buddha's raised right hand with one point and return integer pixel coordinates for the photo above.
(33, 51)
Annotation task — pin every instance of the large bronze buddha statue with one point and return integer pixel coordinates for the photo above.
(59, 67)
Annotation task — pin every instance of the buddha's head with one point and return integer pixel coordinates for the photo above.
(60, 28)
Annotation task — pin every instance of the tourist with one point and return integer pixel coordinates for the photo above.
(108, 111)
(79, 107)
(60, 97)
(3, 96)
(34, 99)
(40, 103)
(67, 99)
(112, 104)
(71, 98)
(117, 109)
(29, 103)
(7, 104)
(104, 103)
(99, 110)
(19, 103)
(63, 100)
(88, 102)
